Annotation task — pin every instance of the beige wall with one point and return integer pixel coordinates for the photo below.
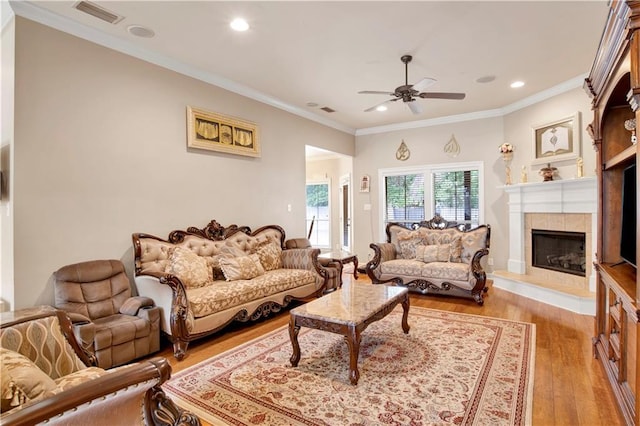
(6, 215)
(479, 141)
(100, 152)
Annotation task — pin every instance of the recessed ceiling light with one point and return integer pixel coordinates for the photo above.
(381, 108)
(486, 79)
(517, 84)
(140, 31)
(239, 24)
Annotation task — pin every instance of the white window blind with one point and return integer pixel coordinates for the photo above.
(404, 197)
(456, 196)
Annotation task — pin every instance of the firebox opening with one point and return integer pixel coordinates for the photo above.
(559, 251)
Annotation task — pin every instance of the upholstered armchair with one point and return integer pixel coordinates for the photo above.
(115, 327)
(48, 379)
(334, 268)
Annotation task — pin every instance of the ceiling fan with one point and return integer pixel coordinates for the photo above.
(408, 92)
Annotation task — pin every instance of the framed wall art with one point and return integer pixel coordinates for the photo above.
(557, 141)
(217, 132)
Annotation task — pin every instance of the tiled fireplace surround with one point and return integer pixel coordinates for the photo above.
(564, 205)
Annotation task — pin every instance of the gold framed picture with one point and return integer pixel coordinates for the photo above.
(217, 132)
(557, 141)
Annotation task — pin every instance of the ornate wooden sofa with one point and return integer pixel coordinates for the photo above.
(435, 257)
(204, 279)
(47, 378)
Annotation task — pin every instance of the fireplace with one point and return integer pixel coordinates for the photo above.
(559, 251)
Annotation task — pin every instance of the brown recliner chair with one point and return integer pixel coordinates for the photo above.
(107, 321)
(334, 268)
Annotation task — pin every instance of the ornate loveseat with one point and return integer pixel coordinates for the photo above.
(48, 378)
(436, 256)
(204, 279)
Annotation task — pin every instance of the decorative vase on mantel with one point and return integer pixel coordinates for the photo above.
(547, 173)
(507, 157)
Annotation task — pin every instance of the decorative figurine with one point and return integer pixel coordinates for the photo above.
(523, 175)
(548, 172)
(579, 167)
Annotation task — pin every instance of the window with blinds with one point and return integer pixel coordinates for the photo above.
(413, 194)
(404, 197)
(456, 196)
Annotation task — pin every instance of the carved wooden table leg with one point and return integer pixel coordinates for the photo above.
(293, 335)
(353, 342)
(405, 315)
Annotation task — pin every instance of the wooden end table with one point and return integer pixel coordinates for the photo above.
(348, 311)
(343, 257)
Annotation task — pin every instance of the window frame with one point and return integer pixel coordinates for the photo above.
(428, 171)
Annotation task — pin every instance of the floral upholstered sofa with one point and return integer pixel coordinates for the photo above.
(203, 279)
(435, 257)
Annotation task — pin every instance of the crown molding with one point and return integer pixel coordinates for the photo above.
(35, 13)
(6, 13)
(566, 86)
(43, 16)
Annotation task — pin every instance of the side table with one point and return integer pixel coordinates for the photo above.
(343, 257)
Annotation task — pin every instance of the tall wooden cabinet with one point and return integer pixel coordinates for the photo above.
(614, 85)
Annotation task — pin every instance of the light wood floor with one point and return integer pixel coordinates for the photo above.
(570, 386)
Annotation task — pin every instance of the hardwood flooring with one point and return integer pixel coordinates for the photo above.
(570, 385)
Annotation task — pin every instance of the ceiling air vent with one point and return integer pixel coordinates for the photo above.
(98, 11)
(327, 109)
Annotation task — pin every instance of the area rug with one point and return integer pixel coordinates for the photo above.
(451, 369)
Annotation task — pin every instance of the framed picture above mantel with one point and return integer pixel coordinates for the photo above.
(217, 132)
(557, 140)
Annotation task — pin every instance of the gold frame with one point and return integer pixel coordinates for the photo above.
(217, 132)
(568, 140)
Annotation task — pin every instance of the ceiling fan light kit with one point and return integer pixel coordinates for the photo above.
(409, 93)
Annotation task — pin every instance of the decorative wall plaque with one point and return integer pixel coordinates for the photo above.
(403, 152)
(451, 148)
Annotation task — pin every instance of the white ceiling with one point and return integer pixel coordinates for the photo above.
(325, 52)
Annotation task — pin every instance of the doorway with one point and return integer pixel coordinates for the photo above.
(345, 212)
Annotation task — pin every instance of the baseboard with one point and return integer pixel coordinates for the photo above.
(575, 303)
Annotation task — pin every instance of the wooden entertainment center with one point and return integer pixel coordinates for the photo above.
(614, 85)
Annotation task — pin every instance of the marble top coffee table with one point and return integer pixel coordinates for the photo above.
(348, 311)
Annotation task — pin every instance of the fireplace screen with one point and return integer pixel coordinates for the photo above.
(559, 251)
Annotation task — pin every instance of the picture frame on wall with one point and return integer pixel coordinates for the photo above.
(217, 132)
(557, 140)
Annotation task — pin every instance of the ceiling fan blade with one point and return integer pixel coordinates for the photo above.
(380, 104)
(414, 107)
(375, 92)
(441, 95)
(424, 83)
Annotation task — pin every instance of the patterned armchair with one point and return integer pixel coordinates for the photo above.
(435, 257)
(47, 378)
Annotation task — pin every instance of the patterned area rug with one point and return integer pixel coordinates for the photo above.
(451, 369)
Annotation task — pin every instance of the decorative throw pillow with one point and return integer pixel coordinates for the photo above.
(192, 269)
(434, 253)
(408, 242)
(214, 263)
(456, 249)
(270, 255)
(21, 380)
(242, 267)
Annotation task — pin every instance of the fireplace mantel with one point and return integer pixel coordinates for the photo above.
(561, 196)
(530, 204)
(557, 196)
